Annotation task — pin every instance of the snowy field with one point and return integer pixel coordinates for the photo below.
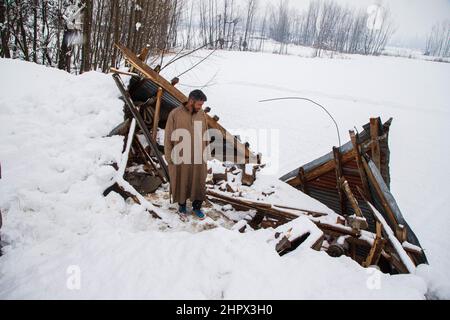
(57, 223)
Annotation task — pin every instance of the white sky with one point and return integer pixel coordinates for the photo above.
(413, 18)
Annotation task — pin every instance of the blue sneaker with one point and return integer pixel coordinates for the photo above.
(182, 213)
(182, 209)
(199, 214)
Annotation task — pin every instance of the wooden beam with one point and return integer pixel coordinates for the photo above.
(136, 115)
(395, 245)
(375, 252)
(303, 181)
(314, 214)
(375, 145)
(351, 198)
(149, 159)
(114, 70)
(338, 168)
(362, 174)
(401, 233)
(268, 210)
(395, 262)
(392, 219)
(328, 166)
(144, 53)
(157, 113)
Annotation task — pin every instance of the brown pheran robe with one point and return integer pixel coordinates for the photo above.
(187, 178)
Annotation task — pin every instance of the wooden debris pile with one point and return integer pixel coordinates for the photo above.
(229, 177)
(352, 180)
(149, 99)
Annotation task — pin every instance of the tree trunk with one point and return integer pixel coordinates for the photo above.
(35, 30)
(65, 52)
(23, 34)
(116, 32)
(4, 34)
(87, 26)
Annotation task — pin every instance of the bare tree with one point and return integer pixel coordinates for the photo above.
(4, 30)
(251, 10)
(280, 25)
(438, 41)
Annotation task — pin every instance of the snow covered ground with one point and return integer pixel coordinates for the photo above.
(60, 229)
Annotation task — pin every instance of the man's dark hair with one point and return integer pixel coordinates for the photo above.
(198, 95)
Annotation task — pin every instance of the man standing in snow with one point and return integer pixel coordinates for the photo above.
(184, 148)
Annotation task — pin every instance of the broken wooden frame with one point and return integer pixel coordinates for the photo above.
(352, 178)
(151, 142)
(241, 151)
(375, 246)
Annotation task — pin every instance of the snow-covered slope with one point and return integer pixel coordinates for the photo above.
(57, 223)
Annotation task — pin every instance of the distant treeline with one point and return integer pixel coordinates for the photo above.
(43, 30)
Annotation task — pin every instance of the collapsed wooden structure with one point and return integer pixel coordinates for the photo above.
(352, 180)
(149, 99)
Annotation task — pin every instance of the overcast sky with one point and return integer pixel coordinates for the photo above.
(413, 18)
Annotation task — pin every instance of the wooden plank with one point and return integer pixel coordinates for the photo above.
(131, 74)
(141, 123)
(157, 113)
(242, 150)
(151, 74)
(149, 159)
(318, 244)
(392, 218)
(401, 233)
(375, 252)
(328, 166)
(267, 210)
(321, 170)
(303, 181)
(143, 56)
(312, 213)
(395, 261)
(395, 245)
(375, 145)
(362, 174)
(351, 198)
(338, 168)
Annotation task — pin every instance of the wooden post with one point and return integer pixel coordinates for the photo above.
(401, 233)
(392, 218)
(142, 56)
(375, 144)
(351, 198)
(338, 165)
(136, 115)
(144, 53)
(375, 252)
(362, 174)
(149, 159)
(303, 181)
(157, 112)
